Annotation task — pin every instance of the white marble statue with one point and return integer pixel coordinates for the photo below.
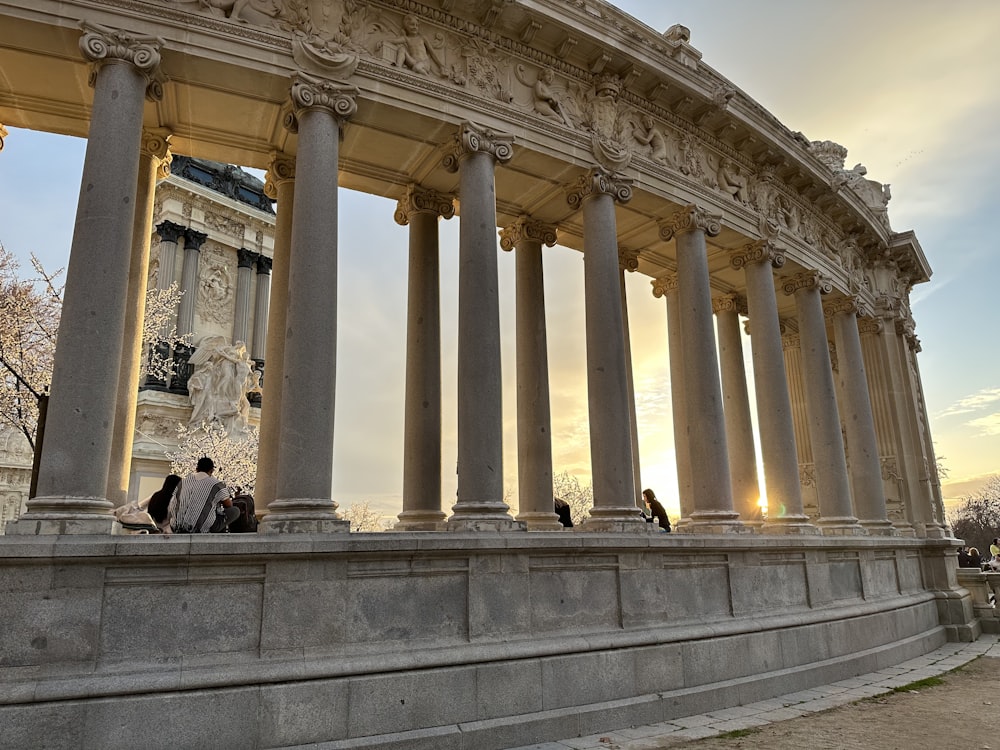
(222, 377)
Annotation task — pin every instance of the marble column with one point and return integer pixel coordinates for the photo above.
(666, 286)
(534, 426)
(800, 420)
(774, 408)
(938, 526)
(859, 423)
(193, 240)
(711, 491)
(279, 185)
(261, 308)
(245, 260)
(480, 503)
(421, 209)
(628, 260)
(73, 475)
(154, 164)
(829, 460)
(169, 234)
(736, 399)
(607, 373)
(303, 491)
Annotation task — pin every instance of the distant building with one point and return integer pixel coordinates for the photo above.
(214, 237)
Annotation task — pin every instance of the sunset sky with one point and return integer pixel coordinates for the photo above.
(910, 87)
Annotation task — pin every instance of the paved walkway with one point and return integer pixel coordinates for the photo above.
(950, 656)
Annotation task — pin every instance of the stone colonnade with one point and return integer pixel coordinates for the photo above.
(82, 461)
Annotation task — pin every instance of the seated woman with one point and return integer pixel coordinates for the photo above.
(157, 504)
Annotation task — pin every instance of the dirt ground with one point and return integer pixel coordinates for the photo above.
(962, 713)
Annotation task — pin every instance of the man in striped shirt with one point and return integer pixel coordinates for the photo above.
(202, 503)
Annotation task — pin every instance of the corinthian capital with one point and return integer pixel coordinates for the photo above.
(729, 303)
(423, 200)
(628, 260)
(762, 251)
(870, 326)
(3, 134)
(101, 45)
(664, 285)
(525, 228)
(807, 280)
(281, 169)
(599, 182)
(479, 139)
(691, 218)
(311, 92)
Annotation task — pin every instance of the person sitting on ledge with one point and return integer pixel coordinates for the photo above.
(975, 561)
(963, 557)
(656, 510)
(201, 503)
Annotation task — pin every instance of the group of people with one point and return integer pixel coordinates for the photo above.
(656, 511)
(969, 557)
(197, 504)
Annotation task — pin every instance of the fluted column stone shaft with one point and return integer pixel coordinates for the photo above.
(739, 427)
(244, 276)
(169, 234)
(859, 423)
(153, 164)
(73, 474)
(829, 460)
(628, 260)
(607, 374)
(480, 503)
(280, 186)
(261, 308)
(303, 491)
(712, 494)
(193, 240)
(667, 287)
(534, 429)
(774, 408)
(422, 209)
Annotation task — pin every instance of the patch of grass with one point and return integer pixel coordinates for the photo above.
(737, 733)
(918, 685)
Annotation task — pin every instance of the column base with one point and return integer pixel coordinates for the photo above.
(420, 520)
(483, 516)
(714, 522)
(880, 528)
(840, 526)
(905, 530)
(789, 525)
(303, 516)
(625, 519)
(932, 531)
(540, 521)
(64, 515)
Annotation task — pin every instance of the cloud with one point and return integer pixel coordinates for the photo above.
(988, 425)
(972, 403)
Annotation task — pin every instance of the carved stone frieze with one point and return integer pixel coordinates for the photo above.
(215, 287)
(225, 224)
(526, 228)
(420, 199)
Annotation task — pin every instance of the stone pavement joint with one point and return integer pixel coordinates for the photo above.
(793, 705)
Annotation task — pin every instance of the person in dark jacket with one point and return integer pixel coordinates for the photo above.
(563, 511)
(656, 510)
